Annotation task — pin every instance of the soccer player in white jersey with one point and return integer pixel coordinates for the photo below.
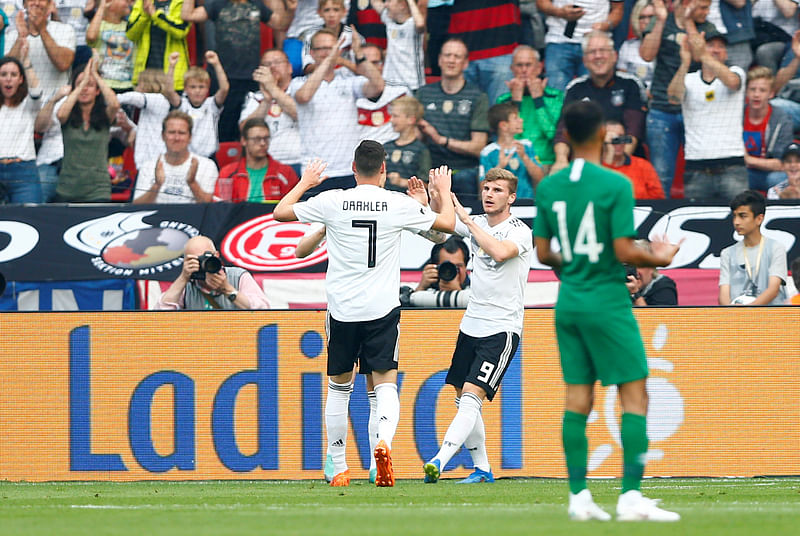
(501, 247)
(363, 287)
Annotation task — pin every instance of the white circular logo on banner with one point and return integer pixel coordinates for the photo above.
(265, 245)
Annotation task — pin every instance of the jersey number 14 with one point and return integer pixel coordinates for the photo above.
(585, 241)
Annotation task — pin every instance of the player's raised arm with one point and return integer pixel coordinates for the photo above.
(628, 252)
(499, 250)
(441, 179)
(312, 176)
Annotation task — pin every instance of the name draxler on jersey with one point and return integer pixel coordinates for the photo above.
(370, 206)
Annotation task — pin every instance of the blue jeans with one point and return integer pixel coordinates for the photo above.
(562, 63)
(664, 137)
(764, 180)
(21, 182)
(491, 75)
(719, 183)
(48, 176)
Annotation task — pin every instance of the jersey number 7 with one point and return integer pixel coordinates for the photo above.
(372, 229)
(586, 239)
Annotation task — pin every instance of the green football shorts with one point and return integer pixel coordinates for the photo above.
(603, 346)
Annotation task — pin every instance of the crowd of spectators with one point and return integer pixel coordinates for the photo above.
(86, 81)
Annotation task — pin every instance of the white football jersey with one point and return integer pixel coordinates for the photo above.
(364, 225)
(496, 304)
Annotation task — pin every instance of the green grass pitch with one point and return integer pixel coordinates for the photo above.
(760, 506)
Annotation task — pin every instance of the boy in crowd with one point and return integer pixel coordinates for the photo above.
(405, 30)
(517, 156)
(790, 188)
(767, 131)
(204, 110)
(752, 271)
(332, 13)
(406, 156)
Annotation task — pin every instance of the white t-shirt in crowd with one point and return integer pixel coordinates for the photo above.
(713, 117)
(404, 64)
(16, 132)
(364, 225)
(595, 11)
(496, 303)
(284, 143)
(50, 78)
(329, 122)
(768, 10)
(154, 108)
(175, 189)
(205, 121)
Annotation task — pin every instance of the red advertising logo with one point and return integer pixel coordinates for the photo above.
(265, 245)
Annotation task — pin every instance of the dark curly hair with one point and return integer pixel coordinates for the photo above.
(98, 119)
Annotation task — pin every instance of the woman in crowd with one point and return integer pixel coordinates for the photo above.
(86, 116)
(20, 100)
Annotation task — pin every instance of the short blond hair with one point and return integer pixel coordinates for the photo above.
(409, 106)
(760, 72)
(196, 73)
(501, 174)
(322, 3)
(152, 81)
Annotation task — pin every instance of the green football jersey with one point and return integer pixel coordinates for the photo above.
(586, 207)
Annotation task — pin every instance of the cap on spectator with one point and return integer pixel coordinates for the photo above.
(715, 34)
(792, 150)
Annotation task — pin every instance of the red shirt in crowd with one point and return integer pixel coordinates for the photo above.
(646, 184)
(278, 180)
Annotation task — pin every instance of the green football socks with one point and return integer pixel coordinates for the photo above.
(634, 447)
(576, 449)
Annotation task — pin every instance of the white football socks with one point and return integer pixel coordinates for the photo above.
(469, 410)
(387, 410)
(372, 427)
(336, 406)
(475, 443)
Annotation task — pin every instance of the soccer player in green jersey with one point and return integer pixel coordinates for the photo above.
(589, 209)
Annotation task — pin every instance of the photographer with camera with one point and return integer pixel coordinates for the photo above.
(647, 286)
(445, 282)
(205, 284)
(646, 184)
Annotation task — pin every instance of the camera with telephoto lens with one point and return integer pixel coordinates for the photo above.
(622, 140)
(209, 264)
(447, 271)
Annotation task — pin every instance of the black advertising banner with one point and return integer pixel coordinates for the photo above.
(84, 242)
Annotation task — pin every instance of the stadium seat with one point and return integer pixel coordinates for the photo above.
(294, 50)
(128, 165)
(229, 151)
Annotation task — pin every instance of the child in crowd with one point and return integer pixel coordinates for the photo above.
(405, 30)
(790, 188)
(106, 35)
(517, 156)
(406, 156)
(767, 131)
(752, 271)
(332, 13)
(203, 109)
(154, 96)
